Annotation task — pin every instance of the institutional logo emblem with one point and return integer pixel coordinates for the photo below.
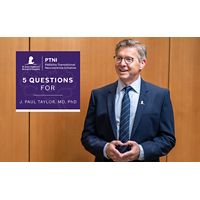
(30, 65)
(30, 60)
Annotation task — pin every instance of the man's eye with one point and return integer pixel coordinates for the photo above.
(128, 59)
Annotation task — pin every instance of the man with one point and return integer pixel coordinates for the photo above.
(131, 119)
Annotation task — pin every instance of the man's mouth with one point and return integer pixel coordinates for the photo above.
(123, 70)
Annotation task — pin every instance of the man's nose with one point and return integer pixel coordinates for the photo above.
(123, 62)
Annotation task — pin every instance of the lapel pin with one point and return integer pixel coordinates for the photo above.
(142, 102)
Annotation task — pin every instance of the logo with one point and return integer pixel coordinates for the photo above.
(31, 65)
(30, 60)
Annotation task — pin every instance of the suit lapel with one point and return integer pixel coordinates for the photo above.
(111, 108)
(142, 102)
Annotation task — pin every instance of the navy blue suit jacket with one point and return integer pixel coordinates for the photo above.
(153, 126)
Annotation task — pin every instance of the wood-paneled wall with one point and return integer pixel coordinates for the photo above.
(14, 137)
(52, 136)
(56, 136)
(185, 92)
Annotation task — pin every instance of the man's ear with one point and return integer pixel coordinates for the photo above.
(142, 64)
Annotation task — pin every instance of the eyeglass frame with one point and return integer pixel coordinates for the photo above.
(125, 59)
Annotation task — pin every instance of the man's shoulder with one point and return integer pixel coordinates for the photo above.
(153, 87)
(106, 88)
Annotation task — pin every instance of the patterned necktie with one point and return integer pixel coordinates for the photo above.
(124, 119)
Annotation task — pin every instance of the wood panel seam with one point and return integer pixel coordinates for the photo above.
(169, 62)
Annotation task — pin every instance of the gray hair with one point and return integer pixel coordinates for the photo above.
(133, 43)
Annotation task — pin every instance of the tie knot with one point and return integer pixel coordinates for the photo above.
(127, 89)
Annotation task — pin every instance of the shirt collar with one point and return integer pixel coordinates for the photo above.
(135, 85)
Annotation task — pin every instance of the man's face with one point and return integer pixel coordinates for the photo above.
(130, 66)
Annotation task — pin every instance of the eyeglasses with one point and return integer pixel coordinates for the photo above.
(128, 60)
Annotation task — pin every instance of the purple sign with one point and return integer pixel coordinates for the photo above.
(48, 81)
